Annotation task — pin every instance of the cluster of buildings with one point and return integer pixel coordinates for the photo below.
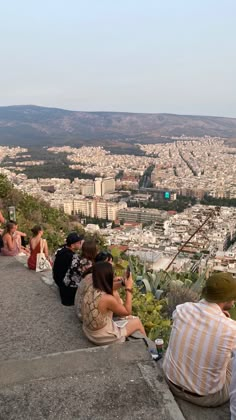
(187, 166)
(212, 247)
(97, 161)
(194, 167)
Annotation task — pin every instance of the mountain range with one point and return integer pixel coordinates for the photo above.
(35, 125)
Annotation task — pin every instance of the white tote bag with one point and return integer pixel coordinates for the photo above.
(42, 263)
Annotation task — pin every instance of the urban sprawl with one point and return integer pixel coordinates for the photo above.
(192, 167)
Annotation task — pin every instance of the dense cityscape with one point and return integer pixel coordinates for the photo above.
(114, 200)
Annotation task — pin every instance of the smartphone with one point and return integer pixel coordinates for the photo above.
(128, 272)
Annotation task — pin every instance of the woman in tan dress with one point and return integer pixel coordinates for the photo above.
(100, 303)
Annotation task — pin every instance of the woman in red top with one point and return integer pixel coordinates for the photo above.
(37, 245)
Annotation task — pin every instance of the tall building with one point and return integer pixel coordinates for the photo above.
(87, 189)
(68, 207)
(98, 187)
(101, 207)
(85, 206)
(113, 208)
(108, 185)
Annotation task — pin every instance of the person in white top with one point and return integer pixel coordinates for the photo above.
(232, 392)
(198, 361)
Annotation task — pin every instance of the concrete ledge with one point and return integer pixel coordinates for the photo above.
(67, 363)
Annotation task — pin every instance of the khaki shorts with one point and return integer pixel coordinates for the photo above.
(211, 400)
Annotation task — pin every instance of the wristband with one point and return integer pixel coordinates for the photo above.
(129, 290)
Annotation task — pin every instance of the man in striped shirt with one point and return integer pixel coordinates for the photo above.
(198, 361)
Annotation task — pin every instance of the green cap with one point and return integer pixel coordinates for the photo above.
(220, 287)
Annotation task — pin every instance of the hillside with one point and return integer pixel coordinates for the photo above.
(28, 124)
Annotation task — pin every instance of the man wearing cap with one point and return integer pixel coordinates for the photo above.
(66, 268)
(198, 361)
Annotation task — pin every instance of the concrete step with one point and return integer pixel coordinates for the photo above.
(119, 381)
(48, 369)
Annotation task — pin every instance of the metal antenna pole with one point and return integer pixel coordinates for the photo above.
(213, 212)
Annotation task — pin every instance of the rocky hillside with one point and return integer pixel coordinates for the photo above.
(24, 125)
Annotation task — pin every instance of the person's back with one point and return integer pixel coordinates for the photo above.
(99, 304)
(37, 245)
(197, 361)
(61, 264)
(66, 269)
(93, 319)
(81, 290)
(200, 344)
(233, 390)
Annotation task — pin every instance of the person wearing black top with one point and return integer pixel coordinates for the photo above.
(66, 268)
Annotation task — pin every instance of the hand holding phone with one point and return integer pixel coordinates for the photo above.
(128, 271)
(129, 280)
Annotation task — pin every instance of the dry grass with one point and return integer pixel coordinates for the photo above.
(178, 295)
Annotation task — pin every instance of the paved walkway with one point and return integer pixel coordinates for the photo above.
(48, 369)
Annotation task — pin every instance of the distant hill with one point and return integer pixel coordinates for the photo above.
(34, 125)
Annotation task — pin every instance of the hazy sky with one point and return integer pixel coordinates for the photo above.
(176, 56)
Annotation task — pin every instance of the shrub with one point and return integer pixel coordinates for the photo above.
(178, 295)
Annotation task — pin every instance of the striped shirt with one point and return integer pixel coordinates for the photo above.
(200, 347)
(233, 390)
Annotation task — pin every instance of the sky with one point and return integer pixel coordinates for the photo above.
(174, 56)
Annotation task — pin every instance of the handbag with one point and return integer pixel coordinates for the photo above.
(42, 262)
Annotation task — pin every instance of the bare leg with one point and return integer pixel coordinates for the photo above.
(134, 325)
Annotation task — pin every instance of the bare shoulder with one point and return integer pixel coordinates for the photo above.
(107, 298)
(106, 301)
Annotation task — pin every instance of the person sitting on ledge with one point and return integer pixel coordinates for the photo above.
(88, 257)
(198, 363)
(104, 256)
(89, 248)
(37, 245)
(22, 237)
(67, 268)
(12, 241)
(99, 304)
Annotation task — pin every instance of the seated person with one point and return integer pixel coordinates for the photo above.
(66, 268)
(88, 256)
(37, 245)
(87, 280)
(198, 363)
(2, 218)
(11, 241)
(2, 221)
(99, 304)
(22, 237)
(104, 256)
(233, 390)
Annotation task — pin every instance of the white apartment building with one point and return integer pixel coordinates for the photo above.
(88, 189)
(98, 187)
(68, 207)
(104, 185)
(94, 208)
(113, 208)
(85, 206)
(101, 209)
(108, 185)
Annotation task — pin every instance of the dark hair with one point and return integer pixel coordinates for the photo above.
(104, 256)
(103, 277)
(89, 250)
(36, 229)
(8, 227)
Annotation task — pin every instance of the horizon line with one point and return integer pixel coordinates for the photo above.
(116, 112)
